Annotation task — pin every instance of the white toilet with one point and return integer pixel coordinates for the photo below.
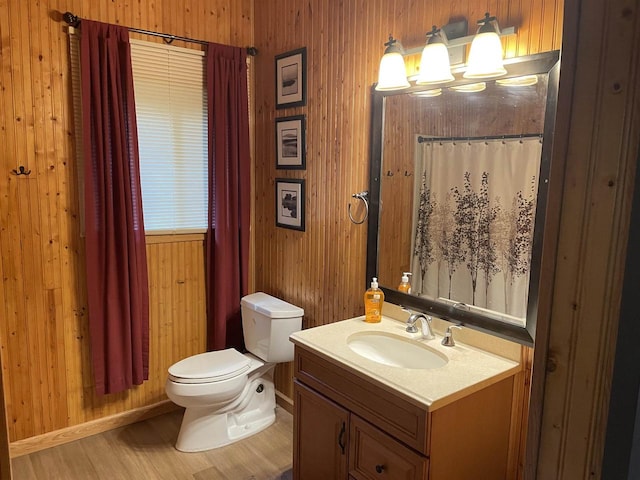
(228, 395)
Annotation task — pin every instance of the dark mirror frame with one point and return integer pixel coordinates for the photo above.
(542, 63)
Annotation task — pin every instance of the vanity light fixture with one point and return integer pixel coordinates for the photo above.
(444, 46)
(434, 63)
(392, 74)
(485, 57)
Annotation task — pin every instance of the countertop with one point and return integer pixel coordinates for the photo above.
(468, 369)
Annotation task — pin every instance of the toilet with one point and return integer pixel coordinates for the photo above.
(230, 395)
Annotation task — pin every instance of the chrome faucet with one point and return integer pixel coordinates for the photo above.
(425, 323)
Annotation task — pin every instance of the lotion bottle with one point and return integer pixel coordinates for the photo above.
(373, 300)
(405, 286)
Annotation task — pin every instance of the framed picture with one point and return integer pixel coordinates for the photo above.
(290, 203)
(291, 78)
(290, 143)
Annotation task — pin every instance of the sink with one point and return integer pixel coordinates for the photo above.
(395, 351)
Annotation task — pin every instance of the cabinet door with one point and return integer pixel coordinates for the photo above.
(321, 437)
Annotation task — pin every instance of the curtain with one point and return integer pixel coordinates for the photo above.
(116, 263)
(473, 221)
(227, 243)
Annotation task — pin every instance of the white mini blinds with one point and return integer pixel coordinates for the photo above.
(171, 110)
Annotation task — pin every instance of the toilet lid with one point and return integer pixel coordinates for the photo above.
(210, 367)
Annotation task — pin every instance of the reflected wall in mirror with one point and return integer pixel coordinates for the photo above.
(457, 198)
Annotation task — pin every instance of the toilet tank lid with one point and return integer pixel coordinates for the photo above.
(271, 306)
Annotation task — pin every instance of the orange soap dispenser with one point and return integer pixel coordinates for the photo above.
(405, 286)
(373, 300)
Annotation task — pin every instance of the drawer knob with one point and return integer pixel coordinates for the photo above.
(379, 468)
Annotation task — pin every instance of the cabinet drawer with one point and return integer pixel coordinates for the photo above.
(374, 455)
(392, 413)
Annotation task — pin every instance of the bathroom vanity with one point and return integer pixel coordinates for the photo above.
(357, 417)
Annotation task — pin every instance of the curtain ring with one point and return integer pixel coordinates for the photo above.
(364, 197)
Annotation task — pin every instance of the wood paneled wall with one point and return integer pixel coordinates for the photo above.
(323, 269)
(43, 328)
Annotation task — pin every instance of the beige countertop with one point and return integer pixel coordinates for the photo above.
(468, 369)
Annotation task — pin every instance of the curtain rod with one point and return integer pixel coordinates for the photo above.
(73, 21)
(422, 139)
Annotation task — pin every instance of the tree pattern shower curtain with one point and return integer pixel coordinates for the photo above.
(473, 217)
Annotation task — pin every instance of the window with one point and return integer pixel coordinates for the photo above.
(171, 109)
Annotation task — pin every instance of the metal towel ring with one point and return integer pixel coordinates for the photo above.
(364, 197)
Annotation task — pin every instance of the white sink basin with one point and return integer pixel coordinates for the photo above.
(395, 351)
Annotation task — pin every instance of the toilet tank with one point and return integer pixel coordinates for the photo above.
(267, 323)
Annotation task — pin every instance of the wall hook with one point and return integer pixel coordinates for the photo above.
(21, 171)
(364, 197)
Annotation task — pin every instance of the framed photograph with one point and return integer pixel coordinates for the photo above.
(290, 143)
(291, 78)
(290, 203)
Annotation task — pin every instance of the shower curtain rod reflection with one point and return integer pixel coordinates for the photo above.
(422, 139)
(74, 21)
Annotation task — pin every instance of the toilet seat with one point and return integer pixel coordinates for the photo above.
(210, 367)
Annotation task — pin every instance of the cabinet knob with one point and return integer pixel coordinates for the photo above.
(379, 468)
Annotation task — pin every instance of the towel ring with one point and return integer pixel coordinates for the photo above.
(364, 197)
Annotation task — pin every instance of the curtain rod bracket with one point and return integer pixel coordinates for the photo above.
(71, 19)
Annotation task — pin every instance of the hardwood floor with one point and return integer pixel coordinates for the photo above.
(145, 450)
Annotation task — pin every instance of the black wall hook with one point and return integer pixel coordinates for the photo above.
(21, 171)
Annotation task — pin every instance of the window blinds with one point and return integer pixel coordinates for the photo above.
(171, 110)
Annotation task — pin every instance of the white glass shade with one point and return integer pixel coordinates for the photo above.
(485, 57)
(428, 93)
(470, 88)
(434, 65)
(392, 74)
(525, 81)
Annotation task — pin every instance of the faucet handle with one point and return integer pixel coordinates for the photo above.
(411, 328)
(448, 341)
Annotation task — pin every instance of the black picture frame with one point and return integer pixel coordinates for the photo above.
(290, 200)
(291, 78)
(290, 143)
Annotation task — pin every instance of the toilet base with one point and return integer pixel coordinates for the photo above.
(206, 428)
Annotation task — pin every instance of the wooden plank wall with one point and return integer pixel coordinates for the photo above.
(323, 269)
(43, 334)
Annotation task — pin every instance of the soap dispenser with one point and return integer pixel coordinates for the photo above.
(373, 300)
(405, 286)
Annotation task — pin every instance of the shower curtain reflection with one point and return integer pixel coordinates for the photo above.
(473, 216)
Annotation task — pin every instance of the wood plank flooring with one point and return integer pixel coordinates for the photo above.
(145, 450)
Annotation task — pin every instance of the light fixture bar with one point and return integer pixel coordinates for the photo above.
(462, 41)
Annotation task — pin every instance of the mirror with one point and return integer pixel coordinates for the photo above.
(458, 188)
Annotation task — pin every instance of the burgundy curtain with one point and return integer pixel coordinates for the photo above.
(227, 243)
(115, 246)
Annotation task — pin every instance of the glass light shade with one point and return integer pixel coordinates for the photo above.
(470, 88)
(434, 65)
(525, 81)
(428, 93)
(485, 57)
(392, 74)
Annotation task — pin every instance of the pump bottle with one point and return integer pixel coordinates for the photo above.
(405, 286)
(373, 300)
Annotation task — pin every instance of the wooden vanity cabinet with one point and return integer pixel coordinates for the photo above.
(349, 427)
